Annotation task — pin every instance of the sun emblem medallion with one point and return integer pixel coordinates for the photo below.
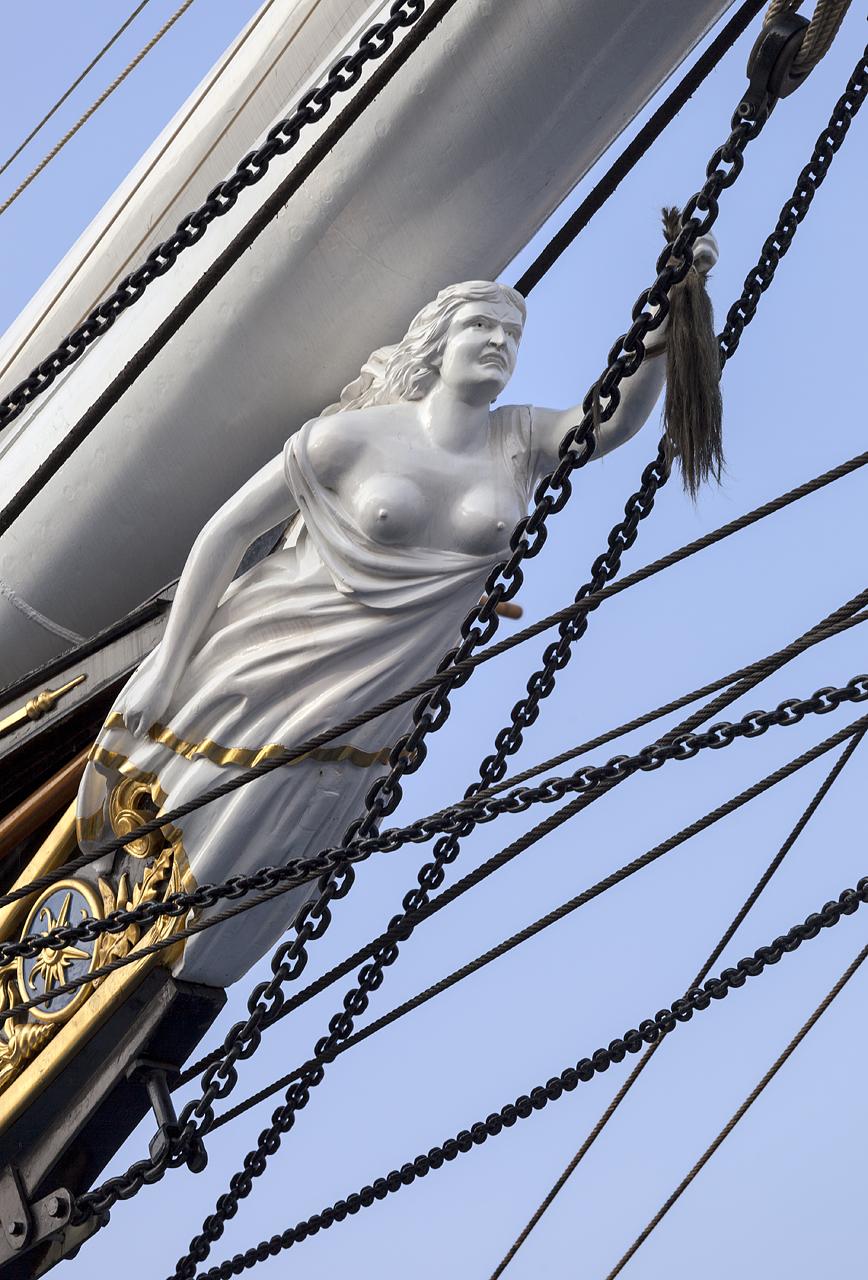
(68, 902)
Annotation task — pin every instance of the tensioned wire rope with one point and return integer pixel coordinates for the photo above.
(855, 92)
(300, 871)
(716, 181)
(52, 111)
(152, 163)
(739, 315)
(648, 1031)
(501, 859)
(94, 107)
(724, 941)
(311, 110)
(575, 610)
(740, 1113)
(588, 895)
(98, 1202)
(590, 782)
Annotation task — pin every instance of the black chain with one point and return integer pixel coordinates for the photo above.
(672, 746)
(648, 1032)
(542, 682)
(281, 138)
(644, 496)
(408, 754)
(761, 275)
(430, 713)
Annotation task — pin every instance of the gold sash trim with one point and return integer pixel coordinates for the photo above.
(248, 757)
(89, 828)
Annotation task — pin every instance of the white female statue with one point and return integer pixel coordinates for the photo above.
(399, 499)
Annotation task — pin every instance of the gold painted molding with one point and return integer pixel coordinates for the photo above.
(104, 999)
(52, 853)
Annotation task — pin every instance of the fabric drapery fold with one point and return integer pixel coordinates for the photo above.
(328, 624)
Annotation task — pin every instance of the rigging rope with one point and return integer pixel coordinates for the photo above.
(99, 1201)
(567, 908)
(94, 107)
(727, 936)
(459, 668)
(346, 966)
(746, 678)
(60, 101)
(281, 138)
(740, 1112)
(649, 1031)
(638, 147)
(821, 30)
(589, 782)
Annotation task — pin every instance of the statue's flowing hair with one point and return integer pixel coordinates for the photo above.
(407, 370)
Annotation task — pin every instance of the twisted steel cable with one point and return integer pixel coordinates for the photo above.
(573, 904)
(648, 1032)
(740, 1112)
(52, 111)
(94, 107)
(727, 936)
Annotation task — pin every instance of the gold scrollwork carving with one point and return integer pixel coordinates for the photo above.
(22, 1038)
(161, 878)
(130, 804)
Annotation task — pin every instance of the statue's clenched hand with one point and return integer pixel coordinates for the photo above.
(145, 699)
(706, 252)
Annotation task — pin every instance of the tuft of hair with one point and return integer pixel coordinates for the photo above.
(693, 409)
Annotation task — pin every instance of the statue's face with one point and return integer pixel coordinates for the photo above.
(481, 349)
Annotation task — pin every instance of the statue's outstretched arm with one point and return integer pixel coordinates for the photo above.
(639, 393)
(261, 504)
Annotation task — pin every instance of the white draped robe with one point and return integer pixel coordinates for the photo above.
(328, 625)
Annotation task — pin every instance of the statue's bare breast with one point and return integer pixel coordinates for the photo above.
(403, 489)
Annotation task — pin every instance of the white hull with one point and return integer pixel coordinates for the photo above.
(458, 163)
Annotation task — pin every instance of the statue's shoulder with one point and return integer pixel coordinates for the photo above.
(515, 423)
(337, 441)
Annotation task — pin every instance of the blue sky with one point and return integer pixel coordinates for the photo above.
(783, 1193)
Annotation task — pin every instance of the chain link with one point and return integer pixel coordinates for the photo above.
(778, 243)
(649, 1032)
(680, 746)
(408, 753)
(430, 713)
(281, 138)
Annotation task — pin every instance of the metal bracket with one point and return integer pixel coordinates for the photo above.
(770, 65)
(26, 1224)
(154, 1076)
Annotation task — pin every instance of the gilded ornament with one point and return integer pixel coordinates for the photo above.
(64, 903)
(130, 804)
